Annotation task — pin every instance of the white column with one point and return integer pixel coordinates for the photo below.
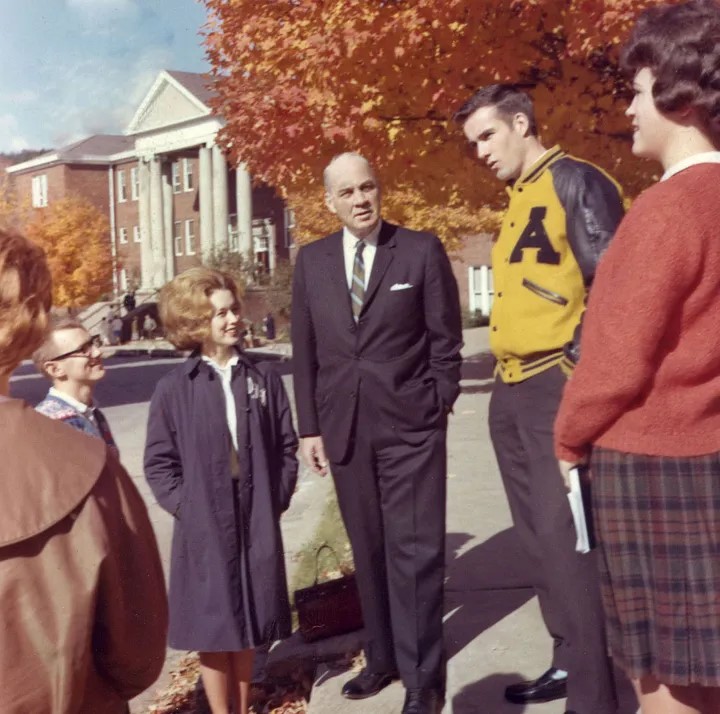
(168, 211)
(156, 223)
(146, 251)
(272, 244)
(220, 198)
(206, 202)
(244, 209)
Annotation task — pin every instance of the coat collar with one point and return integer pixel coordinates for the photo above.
(194, 364)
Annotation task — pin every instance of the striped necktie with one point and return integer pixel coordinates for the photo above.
(357, 287)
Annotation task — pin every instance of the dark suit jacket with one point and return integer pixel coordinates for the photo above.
(404, 352)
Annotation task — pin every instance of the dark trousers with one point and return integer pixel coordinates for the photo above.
(521, 427)
(392, 499)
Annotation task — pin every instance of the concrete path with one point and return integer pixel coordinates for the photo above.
(493, 630)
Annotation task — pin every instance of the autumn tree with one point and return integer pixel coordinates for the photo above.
(76, 238)
(299, 80)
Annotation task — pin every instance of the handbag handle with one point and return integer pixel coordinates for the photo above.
(324, 546)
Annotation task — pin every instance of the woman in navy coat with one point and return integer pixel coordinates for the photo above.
(220, 457)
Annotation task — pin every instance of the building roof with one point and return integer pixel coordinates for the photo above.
(198, 84)
(96, 145)
(99, 148)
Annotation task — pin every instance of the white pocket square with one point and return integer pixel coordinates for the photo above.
(400, 286)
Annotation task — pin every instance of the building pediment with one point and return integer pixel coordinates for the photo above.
(168, 103)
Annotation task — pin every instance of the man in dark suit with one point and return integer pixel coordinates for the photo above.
(376, 335)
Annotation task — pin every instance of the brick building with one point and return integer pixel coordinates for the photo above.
(166, 187)
(171, 197)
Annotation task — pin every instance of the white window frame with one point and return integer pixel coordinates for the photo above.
(136, 234)
(189, 236)
(123, 235)
(134, 183)
(39, 191)
(178, 237)
(175, 176)
(121, 187)
(123, 279)
(188, 175)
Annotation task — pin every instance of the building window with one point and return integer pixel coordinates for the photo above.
(123, 280)
(190, 236)
(177, 237)
(39, 191)
(123, 235)
(134, 183)
(187, 174)
(136, 234)
(176, 176)
(121, 187)
(481, 290)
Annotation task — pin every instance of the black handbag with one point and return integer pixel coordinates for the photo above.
(330, 608)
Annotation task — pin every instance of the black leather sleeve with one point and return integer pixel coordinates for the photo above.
(593, 208)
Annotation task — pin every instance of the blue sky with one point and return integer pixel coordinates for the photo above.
(71, 68)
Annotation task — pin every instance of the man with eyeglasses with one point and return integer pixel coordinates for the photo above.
(71, 358)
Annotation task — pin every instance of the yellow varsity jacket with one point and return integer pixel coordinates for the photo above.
(560, 219)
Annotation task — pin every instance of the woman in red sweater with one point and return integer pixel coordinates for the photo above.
(645, 397)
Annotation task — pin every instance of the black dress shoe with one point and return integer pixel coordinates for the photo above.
(543, 689)
(367, 684)
(421, 701)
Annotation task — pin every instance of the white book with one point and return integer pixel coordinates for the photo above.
(579, 498)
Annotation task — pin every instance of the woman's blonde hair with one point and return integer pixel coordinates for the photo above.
(185, 307)
(25, 299)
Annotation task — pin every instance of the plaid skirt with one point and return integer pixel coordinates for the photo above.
(658, 525)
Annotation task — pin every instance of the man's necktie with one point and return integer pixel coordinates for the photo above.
(357, 287)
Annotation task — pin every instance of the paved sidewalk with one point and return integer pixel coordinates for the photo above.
(493, 631)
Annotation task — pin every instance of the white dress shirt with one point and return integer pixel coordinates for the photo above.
(707, 157)
(225, 374)
(350, 246)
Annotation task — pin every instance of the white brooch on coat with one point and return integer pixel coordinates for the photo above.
(257, 392)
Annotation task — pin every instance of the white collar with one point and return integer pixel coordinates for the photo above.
(707, 157)
(351, 240)
(74, 403)
(228, 365)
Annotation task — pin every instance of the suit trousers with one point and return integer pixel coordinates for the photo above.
(522, 416)
(392, 498)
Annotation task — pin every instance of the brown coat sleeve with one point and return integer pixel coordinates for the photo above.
(129, 637)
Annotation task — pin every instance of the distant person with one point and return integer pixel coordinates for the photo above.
(220, 457)
(561, 216)
(71, 358)
(82, 592)
(150, 327)
(644, 403)
(269, 326)
(116, 324)
(129, 301)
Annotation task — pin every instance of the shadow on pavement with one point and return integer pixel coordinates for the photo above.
(484, 585)
(486, 696)
(478, 368)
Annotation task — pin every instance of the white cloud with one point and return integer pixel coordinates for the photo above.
(10, 131)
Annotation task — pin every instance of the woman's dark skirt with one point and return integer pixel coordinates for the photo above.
(658, 525)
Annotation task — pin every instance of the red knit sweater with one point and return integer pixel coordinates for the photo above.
(648, 381)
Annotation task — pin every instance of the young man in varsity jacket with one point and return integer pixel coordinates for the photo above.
(561, 217)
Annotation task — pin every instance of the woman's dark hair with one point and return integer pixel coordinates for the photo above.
(680, 44)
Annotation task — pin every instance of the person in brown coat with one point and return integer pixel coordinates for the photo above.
(82, 593)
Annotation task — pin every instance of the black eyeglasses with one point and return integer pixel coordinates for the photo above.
(84, 350)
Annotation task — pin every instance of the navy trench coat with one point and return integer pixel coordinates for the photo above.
(228, 587)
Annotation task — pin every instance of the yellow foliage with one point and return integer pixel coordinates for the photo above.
(76, 238)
